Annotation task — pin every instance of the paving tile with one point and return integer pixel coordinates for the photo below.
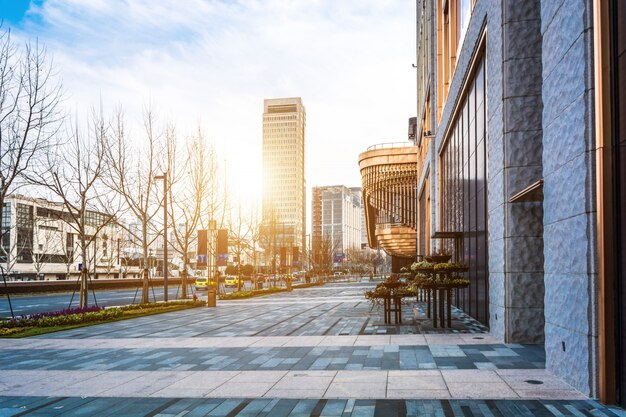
(416, 383)
(490, 390)
(550, 394)
(360, 376)
(258, 376)
(241, 389)
(356, 390)
(418, 393)
(470, 376)
(303, 393)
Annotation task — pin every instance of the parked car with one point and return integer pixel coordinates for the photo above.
(231, 281)
(202, 283)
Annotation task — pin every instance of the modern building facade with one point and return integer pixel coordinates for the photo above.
(389, 176)
(358, 191)
(284, 186)
(336, 218)
(521, 172)
(39, 242)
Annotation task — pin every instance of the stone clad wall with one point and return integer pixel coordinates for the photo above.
(522, 149)
(542, 255)
(569, 200)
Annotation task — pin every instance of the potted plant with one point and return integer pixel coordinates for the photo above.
(451, 267)
(439, 256)
(422, 266)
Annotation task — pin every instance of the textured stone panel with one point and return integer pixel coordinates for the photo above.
(522, 113)
(525, 290)
(567, 301)
(565, 82)
(565, 191)
(495, 141)
(495, 192)
(522, 254)
(495, 219)
(524, 325)
(496, 321)
(517, 178)
(574, 363)
(496, 256)
(522, 39)
(525, 219)
(522, 77)
(496, 288)
(562, 31)
(567, 136)
(494, 56)
(548, 11)
(515, 10)
(566, 246)
(523, 148)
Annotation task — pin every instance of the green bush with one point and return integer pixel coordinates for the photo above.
(247, 294)
(108, 314)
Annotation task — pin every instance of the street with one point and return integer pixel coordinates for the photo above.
(38, 303)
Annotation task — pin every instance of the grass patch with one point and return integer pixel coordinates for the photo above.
(26, 326)
(239, 295)
(307, 285)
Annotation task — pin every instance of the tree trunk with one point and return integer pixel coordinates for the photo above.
(183, 280)
(144, 290)
(84, 292)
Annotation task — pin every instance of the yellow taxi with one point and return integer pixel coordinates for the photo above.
(231, 281)
(202, 283)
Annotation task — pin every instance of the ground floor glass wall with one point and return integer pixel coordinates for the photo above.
(463, 194)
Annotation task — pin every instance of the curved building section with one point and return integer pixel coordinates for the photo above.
(389, 176)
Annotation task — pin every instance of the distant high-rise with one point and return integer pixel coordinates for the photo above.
(284, 192)
(358, 193)
(336, 227)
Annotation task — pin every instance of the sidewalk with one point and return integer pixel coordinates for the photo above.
(300, 353)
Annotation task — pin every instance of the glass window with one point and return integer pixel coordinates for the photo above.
(463, 193)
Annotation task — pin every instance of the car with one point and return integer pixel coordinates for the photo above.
(231, 281)
(202, 283)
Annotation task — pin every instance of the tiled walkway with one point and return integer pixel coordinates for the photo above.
(318, 352)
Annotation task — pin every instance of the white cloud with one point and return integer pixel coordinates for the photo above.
(214, 61)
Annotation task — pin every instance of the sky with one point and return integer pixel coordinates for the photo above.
(210, 63)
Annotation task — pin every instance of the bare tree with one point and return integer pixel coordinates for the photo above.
(189, 181)
(75, 175)
(324, 251)
(254, 230)
(132, 173)
(29, 112)
(240, 235)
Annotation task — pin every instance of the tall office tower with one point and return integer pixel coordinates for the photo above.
(336, 225)
(284, 192)
(358, 193)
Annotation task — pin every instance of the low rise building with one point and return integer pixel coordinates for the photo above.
(39, 243)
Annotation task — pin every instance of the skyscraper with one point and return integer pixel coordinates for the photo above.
(284, 192)
(336, 224)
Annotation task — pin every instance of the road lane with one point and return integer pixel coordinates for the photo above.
(42, 302)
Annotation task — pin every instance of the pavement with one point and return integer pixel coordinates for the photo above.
(320, 351)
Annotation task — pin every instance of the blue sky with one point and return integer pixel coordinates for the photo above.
(13, 11)
(212, 62)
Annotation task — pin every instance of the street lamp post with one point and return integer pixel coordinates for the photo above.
(165, 275)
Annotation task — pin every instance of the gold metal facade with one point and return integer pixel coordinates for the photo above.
(389, 176)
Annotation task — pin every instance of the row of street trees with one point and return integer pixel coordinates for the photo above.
(103, 166)
(99, 166)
